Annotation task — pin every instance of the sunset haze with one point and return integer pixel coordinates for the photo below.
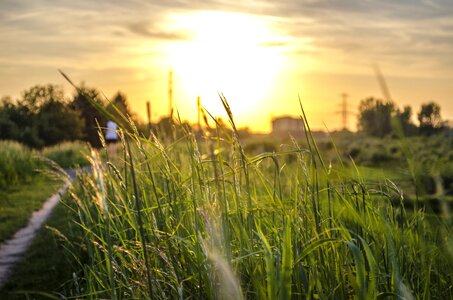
(262, 55)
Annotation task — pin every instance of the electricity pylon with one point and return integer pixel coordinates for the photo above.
(345, 111)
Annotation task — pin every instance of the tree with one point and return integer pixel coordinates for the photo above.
(375, 117)
(429, 118)
(120, 103)
(37, 96)
(41, 117)
(8, 128)
(404, 122)
(90, 114)
(57, 122)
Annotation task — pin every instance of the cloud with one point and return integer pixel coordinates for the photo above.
(84, 32)
(143, 28)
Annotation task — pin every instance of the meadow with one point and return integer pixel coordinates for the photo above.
(193, 215)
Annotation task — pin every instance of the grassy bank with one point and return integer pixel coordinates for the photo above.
(18, 164)
(19, 202)
(68, 154)
(26, 181)
(50, 262)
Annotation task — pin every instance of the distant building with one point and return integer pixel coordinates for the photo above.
(287, 125)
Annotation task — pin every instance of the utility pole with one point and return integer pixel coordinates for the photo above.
(199, 113)
(170, 94)
(148, 111)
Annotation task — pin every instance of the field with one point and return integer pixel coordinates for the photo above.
(205, 216)
(124, 175)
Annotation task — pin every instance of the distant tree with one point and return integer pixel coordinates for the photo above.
(41, 117)
(375, 117)
(404, 122)
(35, 97)
(9, 130)
(57, 121)
(429, 118)
(18, 122)
(119, 103)
(90, 114)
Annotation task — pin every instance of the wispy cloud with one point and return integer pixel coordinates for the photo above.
(146, 29)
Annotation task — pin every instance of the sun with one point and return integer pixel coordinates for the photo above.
(227, 53)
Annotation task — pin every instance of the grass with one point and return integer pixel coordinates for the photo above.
(50, 262)
(25, 182)
(17, 164)
(68, 154)
(178, 218)
(18, 203)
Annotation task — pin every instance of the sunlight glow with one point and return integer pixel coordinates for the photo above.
(230, 53)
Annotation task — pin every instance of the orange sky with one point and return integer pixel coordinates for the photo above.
(261, 54)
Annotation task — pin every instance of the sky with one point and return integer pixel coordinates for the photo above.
(262, 55)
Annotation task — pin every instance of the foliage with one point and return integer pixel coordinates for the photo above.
(378, 118)
(375, 117)
(41, 117)
(119, 106)
(402, 121)
(83, 102)
(429, 118)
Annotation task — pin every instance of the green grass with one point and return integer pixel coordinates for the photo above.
(68, 154)
(47, 268)
(18, 164)
(182, 219)
(175, 218)
(18, 203)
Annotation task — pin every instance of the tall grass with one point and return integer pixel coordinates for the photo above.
(20, 164)
(68, 154)
(202, 220)
(17, 163)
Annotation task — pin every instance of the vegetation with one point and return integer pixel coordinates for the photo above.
(380, 118)
(430, 119)
(41, 275)
(18, 203)
(26, 180)
(17, 164)
(184, 215)
(41, 117)
(68, 154)
(183, 219)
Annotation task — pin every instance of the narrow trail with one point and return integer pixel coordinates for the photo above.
(13, 249)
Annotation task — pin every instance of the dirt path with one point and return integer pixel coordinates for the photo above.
(12, 250)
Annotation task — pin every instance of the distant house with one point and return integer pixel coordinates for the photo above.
(287, 125)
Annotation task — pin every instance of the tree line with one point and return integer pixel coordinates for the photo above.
(44, 116)
(381, 118)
